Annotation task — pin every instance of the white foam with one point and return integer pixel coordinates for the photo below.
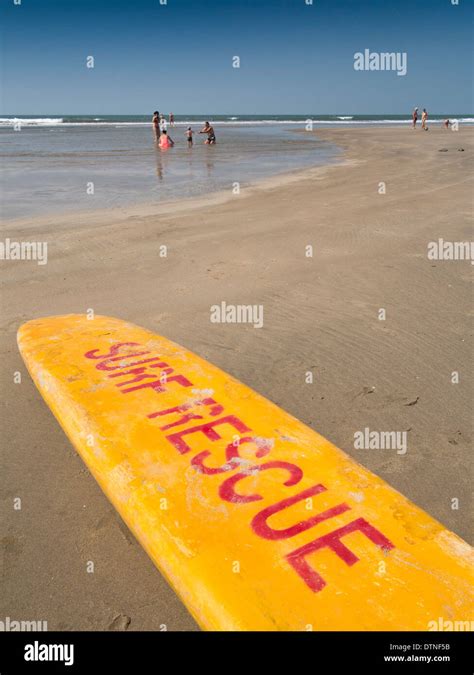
(34, 121)
(58, 121)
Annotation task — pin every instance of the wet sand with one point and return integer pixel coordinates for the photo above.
(321, 314)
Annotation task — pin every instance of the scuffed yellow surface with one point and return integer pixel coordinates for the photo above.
(228, 575)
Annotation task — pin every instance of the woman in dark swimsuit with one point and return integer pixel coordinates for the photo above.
(156, 124)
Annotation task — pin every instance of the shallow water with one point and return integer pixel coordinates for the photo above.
(49, 169)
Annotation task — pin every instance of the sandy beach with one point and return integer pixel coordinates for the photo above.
(321, 314)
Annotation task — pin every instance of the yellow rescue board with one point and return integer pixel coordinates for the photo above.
(258, 522)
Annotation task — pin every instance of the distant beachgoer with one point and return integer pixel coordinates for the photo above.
(171, 120)
(415, 117)
(189, 136)
(209, 130)
(165, 140)
(447, 123)
(424, 118)
(163, 123)
(155, 120)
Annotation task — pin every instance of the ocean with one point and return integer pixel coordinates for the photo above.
(228, 120)
(64, 163)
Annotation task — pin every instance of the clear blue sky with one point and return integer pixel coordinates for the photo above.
(295, 58)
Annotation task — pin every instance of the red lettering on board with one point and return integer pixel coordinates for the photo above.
(216, 409)
(207, 429)
(158, 386)
(113, 350)
(333, 541)
(264, 446)
(137, 371)
(232, 457)
(136, 363)
(227, 489)
(102, 364)
(261, 527)
(143, 376)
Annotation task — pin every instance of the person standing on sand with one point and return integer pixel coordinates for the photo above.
(171, 120)
(424, 117)
(189, 137)
(155, 120)
(211, 137)
(415, 117)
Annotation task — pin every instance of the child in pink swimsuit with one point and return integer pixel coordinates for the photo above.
(165, 141)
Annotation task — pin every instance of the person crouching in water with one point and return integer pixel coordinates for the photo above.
(189, 137)
(211, 137)
(165, 141)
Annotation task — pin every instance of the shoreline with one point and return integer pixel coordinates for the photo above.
(178, 205)
(181, 204)
(321, 315)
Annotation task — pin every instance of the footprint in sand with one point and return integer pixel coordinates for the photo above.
(120, 622)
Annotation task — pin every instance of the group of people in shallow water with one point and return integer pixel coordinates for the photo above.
(163, 139)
